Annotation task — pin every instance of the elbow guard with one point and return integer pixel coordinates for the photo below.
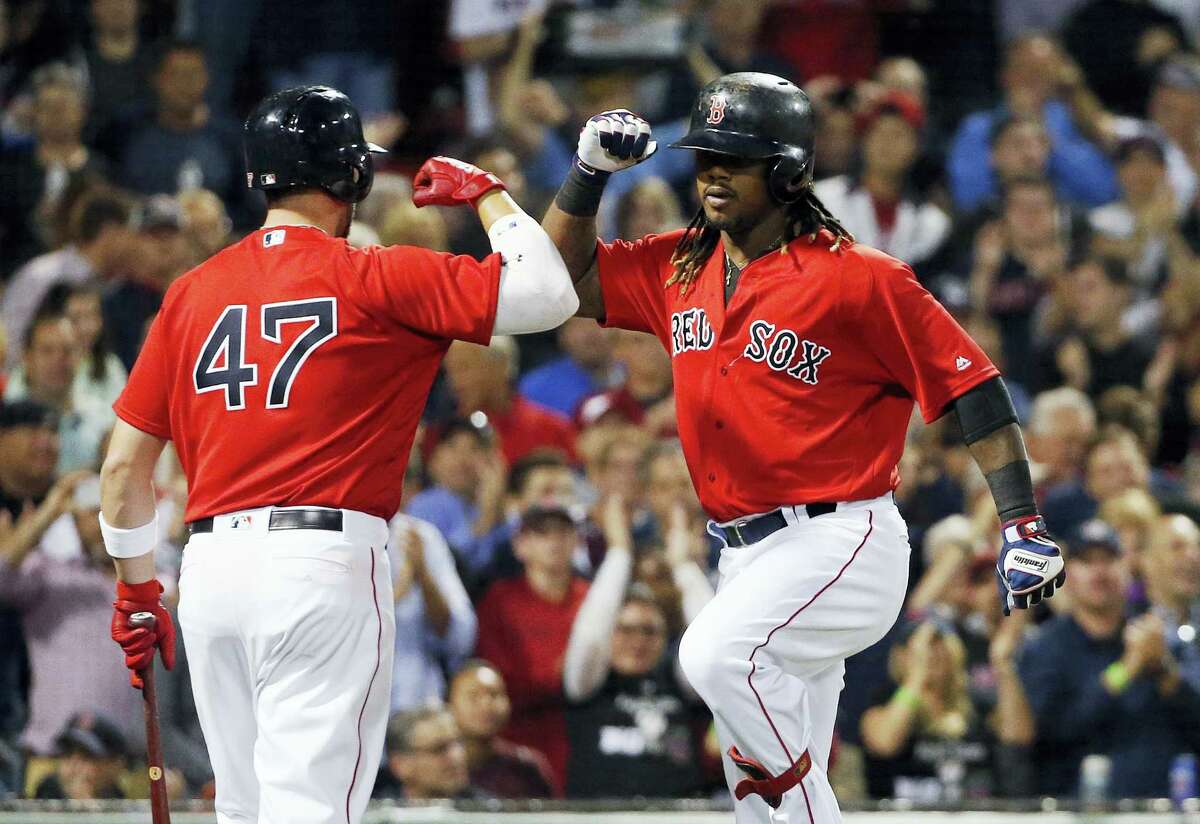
(536, 292)
(984, 409)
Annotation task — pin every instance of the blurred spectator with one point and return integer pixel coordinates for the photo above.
(1079, 170)
(498, 156)
(1136, 229)
(824, 37)
(479, 701)
(877, 205)
(47, 375)
(362, 235)
(836, 139)
(406, 225)
(92, 755)
(481, 31)
(42, 176)
(1171, 565)
(1099, 684)
(1131, 409)
(615, 462)
(119, 64)
(728, 40)
(1015, 260)
(1118, 43)
(185, 145)
(1133, 515)
(164, 255)
(206, 224)
(629, 721)
(524, 625)
(1115, 463)
(1058, 434)
(541, 478)
(1100, 352)
(922, 737)
(100, 375)
(646, 398)
(100, 247)
(1021, 17)
(483, 379)
(585, 367)
(434, 619)
(64, 595)
(34, 33)
(466, 499)
(1172, 119)
(425, 756)
(649, 208)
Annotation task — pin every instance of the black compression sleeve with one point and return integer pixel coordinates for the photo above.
(984, 409)
(1012, 489)
(581, 192)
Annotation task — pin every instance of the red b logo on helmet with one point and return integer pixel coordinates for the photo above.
(716, 109)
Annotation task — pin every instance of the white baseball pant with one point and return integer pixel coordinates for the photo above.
(290, 635)
(767, 653)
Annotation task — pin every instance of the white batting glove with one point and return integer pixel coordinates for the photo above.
(614, 140)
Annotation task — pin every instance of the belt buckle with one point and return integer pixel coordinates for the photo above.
(737, 530)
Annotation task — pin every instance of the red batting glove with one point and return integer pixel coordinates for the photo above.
(139, 643)
(444, 181)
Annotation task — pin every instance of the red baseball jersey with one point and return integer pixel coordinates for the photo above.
(802, 389)
(292, 368)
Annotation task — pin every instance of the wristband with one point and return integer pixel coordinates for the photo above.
(1116, 676)
(129, 543)
(580, 193)
(1012, 489)
(907, 697)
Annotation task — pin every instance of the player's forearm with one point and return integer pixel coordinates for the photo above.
(575, 237)
(127, 507)
(989, 426)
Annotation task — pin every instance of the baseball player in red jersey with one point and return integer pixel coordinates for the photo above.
(289, 371)
(797, 357)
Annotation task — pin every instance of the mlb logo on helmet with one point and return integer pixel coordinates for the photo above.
(716, 108)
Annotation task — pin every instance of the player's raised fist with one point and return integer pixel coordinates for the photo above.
(446, 181)
(614, 140)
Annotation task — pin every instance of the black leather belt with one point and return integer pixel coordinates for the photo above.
(753, 530)
(327, 519)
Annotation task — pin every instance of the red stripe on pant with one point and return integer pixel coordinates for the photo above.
(370, 684)
(792, 617)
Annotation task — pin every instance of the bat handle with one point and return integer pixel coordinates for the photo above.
(143, 619)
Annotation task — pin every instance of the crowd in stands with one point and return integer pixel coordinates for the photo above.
(1036, 162)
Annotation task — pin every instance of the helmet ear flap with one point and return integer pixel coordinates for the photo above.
(789, 176)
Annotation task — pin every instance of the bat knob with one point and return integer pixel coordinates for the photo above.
(142, 619)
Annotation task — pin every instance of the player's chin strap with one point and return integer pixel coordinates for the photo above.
(762, 783)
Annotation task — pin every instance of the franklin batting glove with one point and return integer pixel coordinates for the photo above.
(1030, 566)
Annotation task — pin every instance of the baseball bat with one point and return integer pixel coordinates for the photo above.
(159, 809)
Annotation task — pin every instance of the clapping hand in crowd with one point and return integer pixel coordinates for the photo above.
(20, 535)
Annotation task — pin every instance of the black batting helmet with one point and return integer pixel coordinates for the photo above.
(757, 116)
(309, 136)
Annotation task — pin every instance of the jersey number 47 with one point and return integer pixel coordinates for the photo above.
(221, 364)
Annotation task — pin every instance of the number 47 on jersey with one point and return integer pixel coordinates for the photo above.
(221, 364)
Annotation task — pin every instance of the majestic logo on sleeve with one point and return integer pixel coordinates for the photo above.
(785, 351)
(690, 331)
(716, 108)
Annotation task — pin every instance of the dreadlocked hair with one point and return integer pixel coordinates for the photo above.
(806, 216)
